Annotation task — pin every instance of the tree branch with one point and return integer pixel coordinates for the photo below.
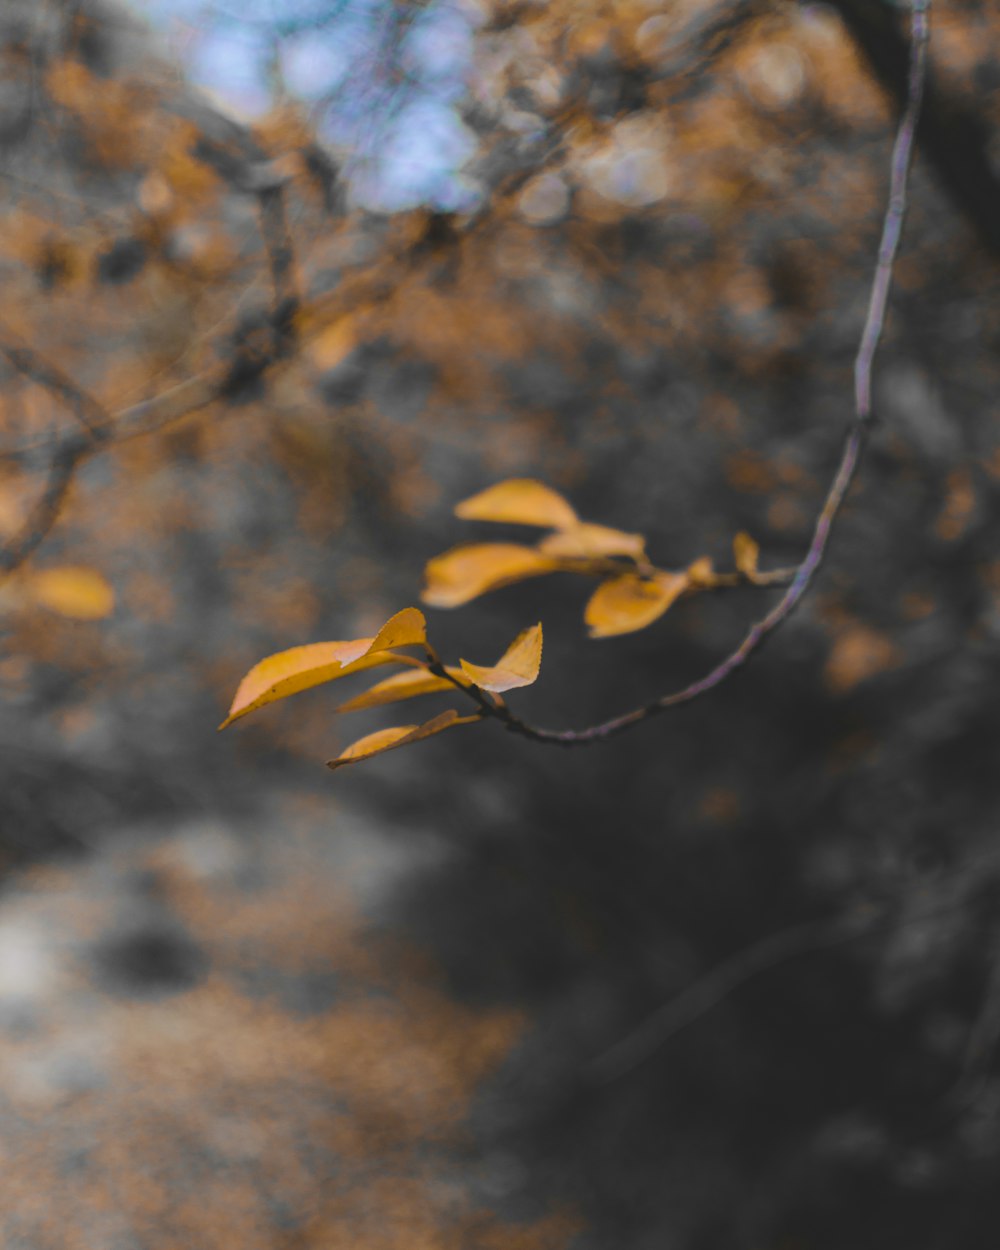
(892, 227)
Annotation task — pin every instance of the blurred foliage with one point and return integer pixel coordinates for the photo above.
(653, 305)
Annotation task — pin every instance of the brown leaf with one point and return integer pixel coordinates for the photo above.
(518, 666)
(628, 603)
(464, 573)
(520, 501)
(398, 736)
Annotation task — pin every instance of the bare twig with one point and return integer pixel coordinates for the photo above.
(981, 1046)
(716, 986)
(902, 154)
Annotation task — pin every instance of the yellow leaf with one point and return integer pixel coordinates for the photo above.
(398, 736)
(624, 604)
(521, 501)
(405, 685)
(585, 540)
(701, 573)
(746, 554)
(406, 629)
(518, 666)
(463, 573)
(300, 668)
(74, 591)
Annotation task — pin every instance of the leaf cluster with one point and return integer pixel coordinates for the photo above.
(632, 594)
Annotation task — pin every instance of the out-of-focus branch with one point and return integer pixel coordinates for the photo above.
(90, 414)
(953, 135)
(281, 259)
(712, 989)
(45, 512)
(64, 457)
(103, 428)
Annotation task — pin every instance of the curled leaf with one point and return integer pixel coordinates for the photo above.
(464, 573)
(585, 540)
(518, 666)
(405, 685)
(406, 629)
(622, 605)
(520, 501)
(746, 553)
(80, 593)
(300, 668)
(398, 736)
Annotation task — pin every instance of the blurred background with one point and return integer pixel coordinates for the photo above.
(729, 980)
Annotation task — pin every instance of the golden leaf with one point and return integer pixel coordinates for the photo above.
(398, 736)
(585, 540)
(405, 685)
(701, 574)
(406, 629)
(464, 573)
(518, 666)
(71, 590)
(300, 668)
(521, 501)
(624, 604)
(746, 554)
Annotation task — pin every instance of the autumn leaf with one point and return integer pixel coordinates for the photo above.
(584, 541)
(79, 593)
(520, 501)
(518, 666)
(464, 573)
(397, 736)
(746, 554)
(622, 605)
(406, 629)
(300, 668)
(405, 685)
(701, 574)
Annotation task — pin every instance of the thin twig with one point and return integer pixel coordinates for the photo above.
(892, 227)
(716, 986)
(983, 1039)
